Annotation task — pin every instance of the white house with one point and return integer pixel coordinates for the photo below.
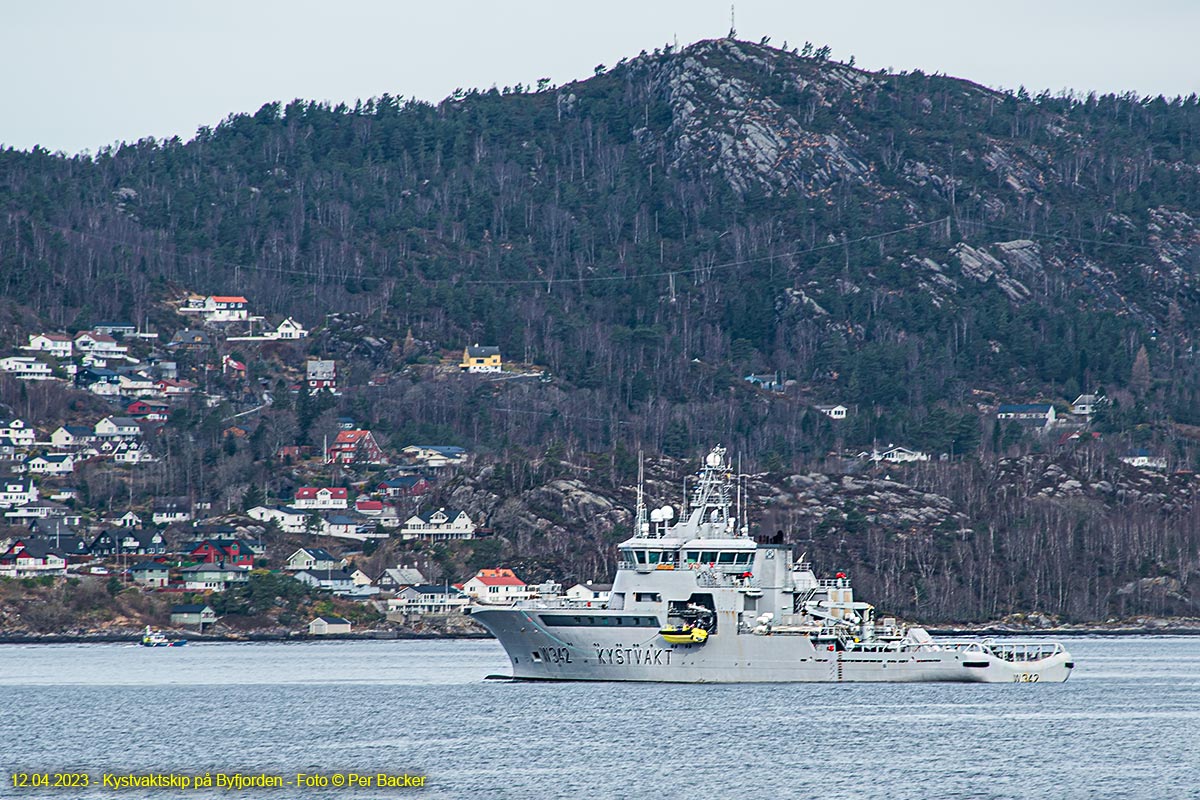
(21, 432)
(589, 592)
(226, 308)
(1040, 414)
(120, 428)
(132, 453)
(99, 344)
(71, 436)
(434, 455)
(15, 492)
(428, 599)
(833, 412)
(495, 587)
(26, 368)
(311, 498)
(324, 626)
(1142, 459)
(438, 526)
(213, 577)
(137, 384)
(51, 464)
(896, 455)
(290, 329)
(1086, 404)
(289, 520)
(59, 345)
(169, 511)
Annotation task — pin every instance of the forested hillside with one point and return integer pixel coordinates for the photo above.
(915, 247)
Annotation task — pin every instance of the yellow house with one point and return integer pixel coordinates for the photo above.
(480, 359)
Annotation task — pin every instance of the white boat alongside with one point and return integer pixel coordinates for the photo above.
(698, 600)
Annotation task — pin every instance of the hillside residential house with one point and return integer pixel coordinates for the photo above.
(435, 456)
(290, 329)
(27, 558)
(404, 486)
(120, 428)
(51, 464)
(398, 577)
(99, 344)
(99, 381)
(1041, 415)
(312, 497)
(289, 520)
(72, 436)
(167, 511)
(213, 577)
(833, 412)
(26, 368)
(343, 527)
(58, 345)
(896, 455)
(495, 587)
(478, 358)
(438, 526)
(19, 431)
(196, 614)
(226, 308)
(770, 383)
(310, 558)
(589, 592)
(332, 580)
(190, 339)
(17, 492)
(169, 388)
(355, 447)
(132, 453)
(325, 626)
(1086, 404)
(1143, 459)
(224, 551)
(116, 328)
(150, 573)
(321, 375)
(428, 599)
(148, 410)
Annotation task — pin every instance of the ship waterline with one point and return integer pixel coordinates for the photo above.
(754, 613)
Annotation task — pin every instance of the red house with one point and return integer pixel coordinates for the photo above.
(231, 551)
(153, 412)
(355, 447)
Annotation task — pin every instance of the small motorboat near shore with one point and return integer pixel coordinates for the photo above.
(153, 638)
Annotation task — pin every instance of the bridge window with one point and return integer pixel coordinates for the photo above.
(727, 558)
(708, 557)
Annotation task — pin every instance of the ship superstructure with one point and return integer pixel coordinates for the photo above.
(697, 599)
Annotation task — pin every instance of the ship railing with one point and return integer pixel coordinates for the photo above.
(834, 583)
(1020, 652)
(714, 580)
(1015, 652)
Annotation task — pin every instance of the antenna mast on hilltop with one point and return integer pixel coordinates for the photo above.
(732, 27)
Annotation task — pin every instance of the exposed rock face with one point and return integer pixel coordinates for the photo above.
(725, 125)
(1047, 477)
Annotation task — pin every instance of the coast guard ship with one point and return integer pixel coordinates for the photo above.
(697, 600)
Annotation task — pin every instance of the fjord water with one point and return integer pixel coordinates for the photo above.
(1127, 724)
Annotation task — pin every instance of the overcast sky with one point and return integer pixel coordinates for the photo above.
(78, 76)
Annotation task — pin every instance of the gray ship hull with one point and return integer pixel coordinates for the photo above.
(636, 652)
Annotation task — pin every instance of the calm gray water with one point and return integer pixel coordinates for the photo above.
(1127, 724)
